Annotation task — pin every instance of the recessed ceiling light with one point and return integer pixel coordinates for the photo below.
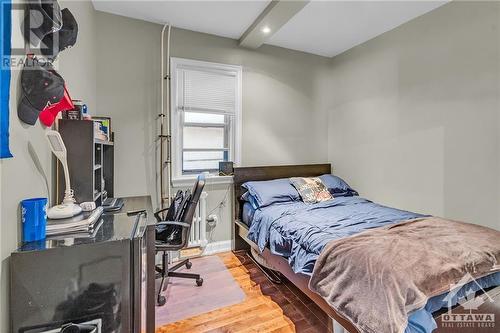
(266, 30)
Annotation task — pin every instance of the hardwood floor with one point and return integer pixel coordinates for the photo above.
(268, 307)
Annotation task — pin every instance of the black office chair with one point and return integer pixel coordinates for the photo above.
(172, 234)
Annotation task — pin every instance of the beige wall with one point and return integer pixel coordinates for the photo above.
(128, 90)
(20, 179)
(78, 64)
(279, 86)
(404, 117)
(414, 114)
(282, 115)
(282, 122)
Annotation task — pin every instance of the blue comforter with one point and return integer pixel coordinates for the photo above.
(299, 232)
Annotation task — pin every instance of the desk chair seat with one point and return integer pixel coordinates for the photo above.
(172, 234)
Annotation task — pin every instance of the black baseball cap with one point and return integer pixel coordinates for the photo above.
(63, 38)
(41, 18)
(41, 86)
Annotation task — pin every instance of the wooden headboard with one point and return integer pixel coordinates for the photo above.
(245, 174)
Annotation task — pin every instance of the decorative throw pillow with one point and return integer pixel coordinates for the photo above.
(311, 190)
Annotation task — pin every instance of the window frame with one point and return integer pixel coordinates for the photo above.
(226, 127)
(177, 119)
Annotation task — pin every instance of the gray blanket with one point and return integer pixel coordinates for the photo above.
(376, 278)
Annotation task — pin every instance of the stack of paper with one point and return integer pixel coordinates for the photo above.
(83, 223)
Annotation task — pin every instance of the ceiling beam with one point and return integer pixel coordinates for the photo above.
(274, 16)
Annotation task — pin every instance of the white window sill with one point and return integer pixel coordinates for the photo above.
(188, 181)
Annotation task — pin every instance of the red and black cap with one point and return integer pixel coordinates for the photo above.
(53, 43)
(42, 17)
(41, 86)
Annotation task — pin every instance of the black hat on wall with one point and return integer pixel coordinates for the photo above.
(42, 17)
(41, 87)
(53, 43)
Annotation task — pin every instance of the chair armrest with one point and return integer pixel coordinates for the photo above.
(177, 223)
(136, 212)
(157, 214)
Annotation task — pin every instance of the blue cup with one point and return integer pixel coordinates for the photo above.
(34, 217)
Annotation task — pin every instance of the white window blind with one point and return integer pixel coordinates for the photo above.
(206, 120)
(208, 91)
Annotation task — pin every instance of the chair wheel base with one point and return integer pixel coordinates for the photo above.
(189, 264)
(161, 300)
(199, 282)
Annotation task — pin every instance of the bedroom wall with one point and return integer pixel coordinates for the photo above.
(128, 90)
(414, 115)
(282, 115)
(282, 122)
(20, 178)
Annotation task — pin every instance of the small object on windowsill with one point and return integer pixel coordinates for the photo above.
(226, 168)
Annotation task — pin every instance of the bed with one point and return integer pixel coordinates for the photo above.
(289, 236)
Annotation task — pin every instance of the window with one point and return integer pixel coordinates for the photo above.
(206, 116)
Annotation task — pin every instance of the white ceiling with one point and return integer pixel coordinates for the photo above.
(221, 18)
(325, 28)
(329, 28)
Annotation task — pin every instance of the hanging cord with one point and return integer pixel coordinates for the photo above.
(221, 203)
(219, 207)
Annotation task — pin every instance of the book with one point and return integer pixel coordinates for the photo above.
(84, 222)
(77, 234)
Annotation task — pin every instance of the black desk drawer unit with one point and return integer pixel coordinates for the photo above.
(99, 282)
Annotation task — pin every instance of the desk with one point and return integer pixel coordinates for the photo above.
(108, 278)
